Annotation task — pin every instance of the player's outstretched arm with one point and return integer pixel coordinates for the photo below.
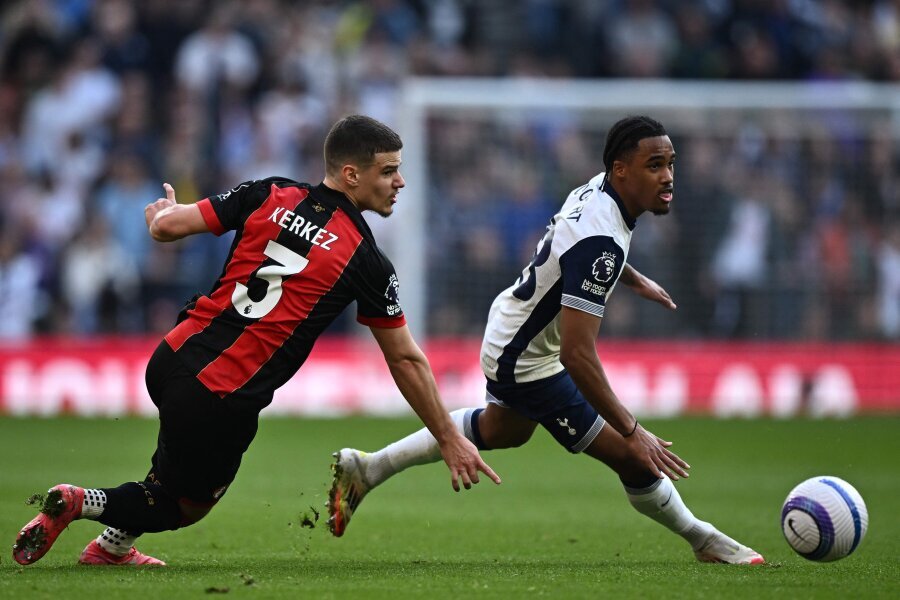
(413, 376)
(168, 221)
(645, 287)
(578, 353)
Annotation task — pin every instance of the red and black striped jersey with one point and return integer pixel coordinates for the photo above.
(300, 255)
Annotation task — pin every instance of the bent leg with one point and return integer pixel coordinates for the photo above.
(140, 507)
(115, 545)
(649, 495)
(191, 512)
(199, 447)
(658, 499)
(202, 437)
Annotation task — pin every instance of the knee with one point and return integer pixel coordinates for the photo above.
(191, 513)
(500, 428)
(519, 438)
(498, 440)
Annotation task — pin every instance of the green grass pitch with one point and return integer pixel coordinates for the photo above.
(559, 526)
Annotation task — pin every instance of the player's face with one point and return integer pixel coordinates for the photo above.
(378, 184)
(647, 178)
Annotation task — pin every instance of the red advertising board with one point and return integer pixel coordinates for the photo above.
(348, 376)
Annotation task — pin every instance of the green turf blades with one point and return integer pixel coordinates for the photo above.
(417, 539)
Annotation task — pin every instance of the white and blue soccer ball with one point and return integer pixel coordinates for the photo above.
(824, 519)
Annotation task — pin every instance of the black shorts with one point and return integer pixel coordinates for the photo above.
(201, 435)
(554, 402)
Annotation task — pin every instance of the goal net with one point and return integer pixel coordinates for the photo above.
(784, 223)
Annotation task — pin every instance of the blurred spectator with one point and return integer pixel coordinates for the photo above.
(73, 106)
(396, 20)
(49, 209)
(217, 55)
(123, 47)
(446, 22)
(526, 213)
(642, 39)
(33, 36)
(739, 265)
(19, 288)
(755, 56)
(792, 285)
(889, 284)
(290, 120)
(306, 54)
(99, 282)
(698, 55)
(847, 259)
(121, 201)
(165, 24)
(132, 127)
(374, 74)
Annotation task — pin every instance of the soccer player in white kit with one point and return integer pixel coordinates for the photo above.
(540, 358)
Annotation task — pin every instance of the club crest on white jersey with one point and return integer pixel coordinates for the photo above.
(576, 264)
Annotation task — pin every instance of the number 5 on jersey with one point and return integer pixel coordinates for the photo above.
(291, 263)
(528, 283)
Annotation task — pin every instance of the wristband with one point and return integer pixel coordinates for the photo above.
(633, 429)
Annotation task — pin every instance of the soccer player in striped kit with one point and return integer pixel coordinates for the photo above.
(540, 358)
(300, 255)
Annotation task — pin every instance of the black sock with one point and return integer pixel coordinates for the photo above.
(140, 507)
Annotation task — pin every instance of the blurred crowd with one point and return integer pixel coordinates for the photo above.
(103, 100)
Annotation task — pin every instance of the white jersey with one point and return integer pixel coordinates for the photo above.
(576, 264)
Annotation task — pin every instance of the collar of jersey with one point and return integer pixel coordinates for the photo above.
(607, 187)
(343, 202)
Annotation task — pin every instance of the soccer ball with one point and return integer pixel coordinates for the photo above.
(824, 519)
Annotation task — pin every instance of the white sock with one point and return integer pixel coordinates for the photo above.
(94, 503)
(418, 448)
(116, 541)
(662, 503)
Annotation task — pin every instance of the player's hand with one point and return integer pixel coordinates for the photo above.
(151, 210)
(649, 289)
(656, 455)
(464, 462)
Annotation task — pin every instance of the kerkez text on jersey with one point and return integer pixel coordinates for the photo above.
(294, 223)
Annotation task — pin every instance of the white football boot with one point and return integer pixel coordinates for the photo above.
(348, 488)
(719, 548)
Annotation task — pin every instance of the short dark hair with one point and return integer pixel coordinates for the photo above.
(626, 134)
(357, 139)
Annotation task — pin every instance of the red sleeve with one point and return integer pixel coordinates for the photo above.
(385, 322)
(210, 216)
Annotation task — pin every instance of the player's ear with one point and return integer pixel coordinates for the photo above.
(350, 174)
(619, 168)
